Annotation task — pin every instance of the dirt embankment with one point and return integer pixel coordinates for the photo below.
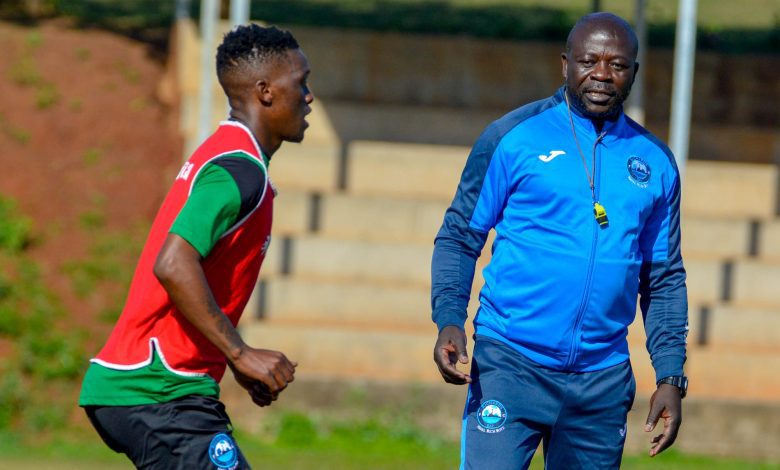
(87, 149)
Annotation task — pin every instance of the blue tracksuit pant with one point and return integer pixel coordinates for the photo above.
(514, 404)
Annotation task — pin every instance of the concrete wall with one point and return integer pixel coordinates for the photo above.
(735, 111)
(445, 89)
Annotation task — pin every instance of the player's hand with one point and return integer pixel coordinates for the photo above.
(263, 373)
(449, 350)
(665, 403)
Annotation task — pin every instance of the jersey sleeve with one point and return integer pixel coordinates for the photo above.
(212, 208)
(662, 289)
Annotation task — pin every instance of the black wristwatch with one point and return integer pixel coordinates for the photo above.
(679, 381)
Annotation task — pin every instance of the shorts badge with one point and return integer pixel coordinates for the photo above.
(223, 451)
(491, 416)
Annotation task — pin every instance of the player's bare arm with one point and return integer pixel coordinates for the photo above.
(263, 373)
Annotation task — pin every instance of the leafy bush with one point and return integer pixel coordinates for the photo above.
(44, 360)
(15, 230)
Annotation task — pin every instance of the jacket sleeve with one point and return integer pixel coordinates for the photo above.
(663, 294)
(477, 205)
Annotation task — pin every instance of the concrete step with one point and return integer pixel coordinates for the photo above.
(756, 283)
(306, 166)
(353, 217)
(769, 240)
(308, 302)
(351, 353)
(727, 327)
(380, 218)
(717, 238)
(385, 218)
(319, 257)
(316, 257)
(705, 279)
(732, 190)
(731, 375)
(292, 213)
(405, 170)
(369, 354)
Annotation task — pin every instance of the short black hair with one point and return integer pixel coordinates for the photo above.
(251, 44)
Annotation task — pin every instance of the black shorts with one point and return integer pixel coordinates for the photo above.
(192, 432)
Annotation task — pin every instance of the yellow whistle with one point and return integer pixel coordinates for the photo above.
(600, 213)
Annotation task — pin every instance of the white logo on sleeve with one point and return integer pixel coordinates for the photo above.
(623, 430)
(553, 154)
(184, 173)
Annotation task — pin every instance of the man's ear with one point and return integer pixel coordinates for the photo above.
(264, 92)
(564, 63)
(636, 71)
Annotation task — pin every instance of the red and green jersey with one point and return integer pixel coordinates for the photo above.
(221, 203)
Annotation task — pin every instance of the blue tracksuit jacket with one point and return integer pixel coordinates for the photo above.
(559, 288)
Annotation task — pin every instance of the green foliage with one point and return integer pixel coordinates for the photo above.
(46, 96)
(92, 156)
(15, 133)
(146, 20)
(501, 19)
(131, 75)
(24, 72)
(83, 54)
(139, 104)
(109, 265)
(50, 354)
(725, 25)
(11, 396)
(297, 430)
(44, 360)
(103, 276)
(15, 230)
(33, 40)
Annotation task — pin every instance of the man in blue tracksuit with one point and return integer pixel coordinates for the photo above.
(585, 204)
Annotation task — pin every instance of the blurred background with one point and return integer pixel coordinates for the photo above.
(100, 101)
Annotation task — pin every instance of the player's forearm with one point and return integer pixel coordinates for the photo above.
(179, 271)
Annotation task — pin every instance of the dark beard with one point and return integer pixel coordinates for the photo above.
(609, 114)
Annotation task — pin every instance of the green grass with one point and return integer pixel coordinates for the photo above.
(300, 444)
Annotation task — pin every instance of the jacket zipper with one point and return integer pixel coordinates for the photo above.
(574, 348)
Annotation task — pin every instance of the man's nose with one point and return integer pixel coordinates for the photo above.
(600, 71)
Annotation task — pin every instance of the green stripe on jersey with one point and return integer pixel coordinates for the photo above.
(147, 385)
(212, 207)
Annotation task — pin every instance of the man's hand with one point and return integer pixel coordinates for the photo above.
(449, 350)
(263, 373)
(665, 403)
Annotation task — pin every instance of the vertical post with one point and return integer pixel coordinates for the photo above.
(636, 102)
(595, 5)
(239, 12)
(209, 14)
(182, 9)
(682, 86)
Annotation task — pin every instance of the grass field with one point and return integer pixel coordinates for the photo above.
(298, 446)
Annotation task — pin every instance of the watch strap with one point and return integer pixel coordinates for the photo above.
(679, 381)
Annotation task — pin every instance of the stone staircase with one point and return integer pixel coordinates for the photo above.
(345, 288)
